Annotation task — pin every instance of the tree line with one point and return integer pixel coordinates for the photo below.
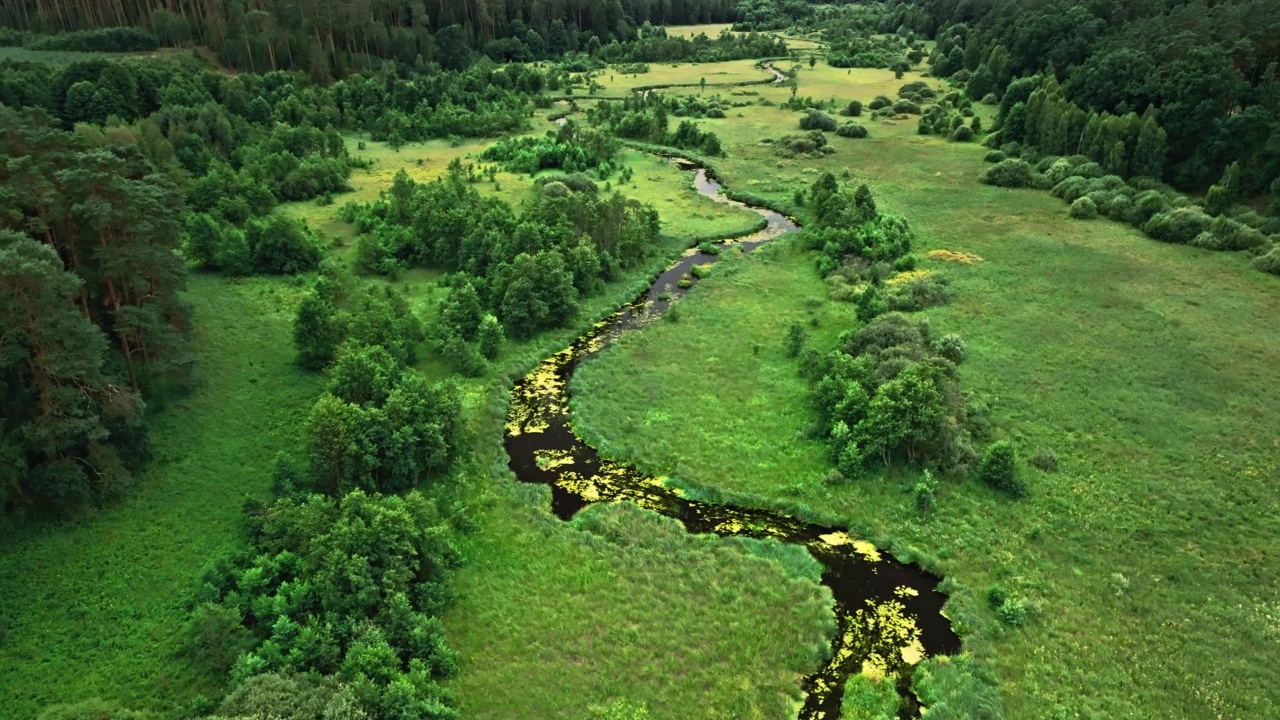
(1205, 74)
(328, 37)
(92, 319)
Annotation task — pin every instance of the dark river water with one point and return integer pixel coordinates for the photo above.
(888, 614)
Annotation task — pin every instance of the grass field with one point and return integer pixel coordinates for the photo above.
(553, 619)
(96, 605)
(1147, 368)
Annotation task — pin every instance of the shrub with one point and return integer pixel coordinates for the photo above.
(1087, 170)
(809, 143)
(852, 130)
(999, 468)
(1120, 208)
(906, 107)
(994, 156)
(853, 109)
(814, 120)
(990, 99)
(1070, 189)
(794, 342)
(1227, 234)
(918, 88)
(1046, 459)
(880, 102)
(1102, 200)
(951, 347)
(1178, 226)
(1149, 204)
(918, 294)
(1010, 173)
(964, 133)
(1013, 611)
(1270, 262)
(1084, 209)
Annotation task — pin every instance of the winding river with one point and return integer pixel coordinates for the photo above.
(888, 614)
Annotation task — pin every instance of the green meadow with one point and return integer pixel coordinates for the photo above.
(96, 606)
(1147, 369)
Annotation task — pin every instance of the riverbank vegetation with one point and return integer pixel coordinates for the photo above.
(266, 315)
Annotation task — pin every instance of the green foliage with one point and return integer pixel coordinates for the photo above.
(530, 270)
(886, 395)
(280, 245)
(339, 309)
(814, 120)
(380, 427)
(346, 588)
(794, 342)
(847, 225)
(1180, 225)
(852, 130)
(91, 310)
(1084, 209)
(999, 469)
(571, 148)
(853, 109)
(1009, 173)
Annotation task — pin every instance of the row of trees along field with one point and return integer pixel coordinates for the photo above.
(313, 33)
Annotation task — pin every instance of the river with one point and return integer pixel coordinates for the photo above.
(888, 614)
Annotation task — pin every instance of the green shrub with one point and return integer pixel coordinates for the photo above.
(994, 156)
(1120, 208)
(852, 130)
(1269, 262)
(906, 107)
(1046, 459)
(1071, 189)
(964, 133)
(1010, 173)
(794, 342)
(879, 102)
(1087, 170)
(853, 109)
(951, 347)
(1013, 611)
(1179, 226)
(999, 468)
(1147, 205)
(814, 120)
(1227, 234)
(1102, 200)
(1084, 208)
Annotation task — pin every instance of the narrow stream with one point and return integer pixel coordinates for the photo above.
(888, 614)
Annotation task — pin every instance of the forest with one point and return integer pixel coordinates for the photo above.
(412, 360)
